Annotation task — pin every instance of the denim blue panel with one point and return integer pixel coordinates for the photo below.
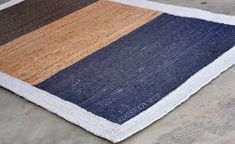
(133, 73)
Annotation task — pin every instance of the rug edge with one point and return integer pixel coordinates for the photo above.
(67, 110)
(109, 130)
(112, 131)
(179, 95)
(180, 11)
(9, 4)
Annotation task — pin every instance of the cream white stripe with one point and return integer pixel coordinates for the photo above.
(180, 11)
(9, 4)
(109, 130)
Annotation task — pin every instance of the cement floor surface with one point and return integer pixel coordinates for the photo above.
(3, 1)
(208, 117)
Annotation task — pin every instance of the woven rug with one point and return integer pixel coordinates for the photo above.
(111, 67)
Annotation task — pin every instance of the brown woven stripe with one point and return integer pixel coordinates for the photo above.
(32, 14)
(42, 53)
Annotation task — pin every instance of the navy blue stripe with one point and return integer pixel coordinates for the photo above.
(133, 73)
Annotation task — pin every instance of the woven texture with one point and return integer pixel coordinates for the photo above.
(33, 14)
(109, 67)
(38, 55)
(130, 75)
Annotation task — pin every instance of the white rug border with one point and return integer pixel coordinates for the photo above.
(180, 11)
(115, 132)
(109, 130)
(9, 4)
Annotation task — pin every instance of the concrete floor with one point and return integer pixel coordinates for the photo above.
(208, 117)
(3, 1)
(216, 6)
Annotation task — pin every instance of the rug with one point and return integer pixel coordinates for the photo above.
(112, 67)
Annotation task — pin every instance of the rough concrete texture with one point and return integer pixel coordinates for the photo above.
(208, 117)
(3, 1)
(216, 6)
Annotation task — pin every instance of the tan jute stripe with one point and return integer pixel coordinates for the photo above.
(42, 53)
